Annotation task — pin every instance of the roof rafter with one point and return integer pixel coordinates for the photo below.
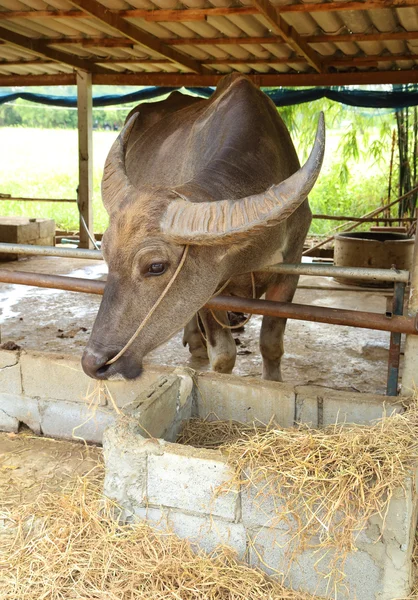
(40, 48)
(288, 33)
(332, 62)
(176, 80)
(117, 42)
(201, 14)
(118, 24)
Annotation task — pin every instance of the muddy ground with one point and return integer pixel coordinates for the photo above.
(317, 354)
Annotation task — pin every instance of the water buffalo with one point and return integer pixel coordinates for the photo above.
(221, 178)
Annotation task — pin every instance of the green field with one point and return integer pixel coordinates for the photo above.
(43, 163)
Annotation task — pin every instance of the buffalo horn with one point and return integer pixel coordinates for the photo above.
(229, 221)
(115, 182)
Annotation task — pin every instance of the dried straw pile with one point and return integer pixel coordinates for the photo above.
(325, 483)
(67, 545)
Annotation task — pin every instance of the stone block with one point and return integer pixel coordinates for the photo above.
(72, 420)
(25, 410)
(57, 377)
(10, 379)
(245, 399)
(192, 479)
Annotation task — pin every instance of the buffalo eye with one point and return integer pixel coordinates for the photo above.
(156, 269)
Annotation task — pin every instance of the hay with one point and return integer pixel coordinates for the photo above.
(67, 545)
(326, 483)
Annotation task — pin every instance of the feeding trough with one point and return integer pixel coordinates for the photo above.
(372, 249)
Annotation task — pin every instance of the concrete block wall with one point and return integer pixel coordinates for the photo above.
(183, 488)
(22, 230)
(50, 394)
(188, 491)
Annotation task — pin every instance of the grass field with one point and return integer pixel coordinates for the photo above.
(43, 163)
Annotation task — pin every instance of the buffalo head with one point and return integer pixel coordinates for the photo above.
(149, 229)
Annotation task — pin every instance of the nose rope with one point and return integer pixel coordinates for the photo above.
(153, 309)
(223, 325)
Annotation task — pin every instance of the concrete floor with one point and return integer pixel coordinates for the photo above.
(316, 354)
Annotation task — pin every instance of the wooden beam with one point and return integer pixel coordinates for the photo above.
(179, 79)
(201, 14)
(210, 61)
(273, 39)
(31, 80)
(265, 80)
(288, 33)
(26, 63)
(364, 61)
(85, 156)
(362, 37)
(109, 42)
(354, 61)
(118, 24)
(42, 49)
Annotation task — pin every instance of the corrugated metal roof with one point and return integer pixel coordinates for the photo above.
(265, 37)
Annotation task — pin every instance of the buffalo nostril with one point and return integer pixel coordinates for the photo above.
(94, 365)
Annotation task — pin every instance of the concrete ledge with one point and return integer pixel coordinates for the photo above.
(186, 488)
(34, 377)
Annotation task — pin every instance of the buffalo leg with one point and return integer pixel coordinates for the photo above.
(221, 346)
(194, 339)
(273, 328)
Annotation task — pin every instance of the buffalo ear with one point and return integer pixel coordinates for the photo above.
(115, 181)
(231, 221)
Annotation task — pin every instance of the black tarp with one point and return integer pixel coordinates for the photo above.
(280, 96)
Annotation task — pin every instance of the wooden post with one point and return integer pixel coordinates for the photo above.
(85, 155)
(410, 372)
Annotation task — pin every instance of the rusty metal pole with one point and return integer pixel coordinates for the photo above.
(287, 310)
(395, 341)
(410, 373)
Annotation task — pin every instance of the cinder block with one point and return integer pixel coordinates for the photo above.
(46, 228)
(307, 407)
(8, 358)
(10, 379)
(125, 453)
(57, 377)
(28, 232)
(125, 392)
(208, 533)
(25, 410)
(160, 410)
(190, 479)
(71, 420)
(380, 568)
(8, 423)
(44, 241)
(157, 517)
(245, 399)
(322, 406)
(260, 507)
